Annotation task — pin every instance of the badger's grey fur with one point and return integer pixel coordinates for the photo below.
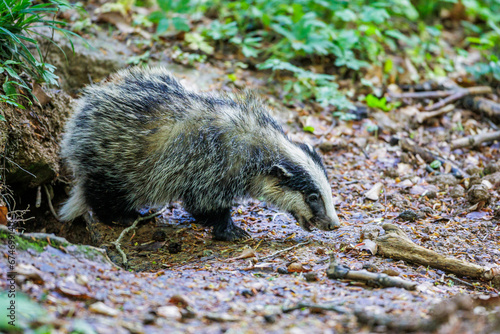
(141, 139)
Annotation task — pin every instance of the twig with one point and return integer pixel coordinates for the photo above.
(21, 168)
(337, 271)
(335, 308)
(423, 95)
(117, 242)
(475, 140)
(456, 279)
(49, 200)
(428, 156)
(284, 250)
(458, 94)
(423, 116)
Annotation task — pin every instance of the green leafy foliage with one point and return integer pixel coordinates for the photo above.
(173, 13)
(17, 42)
(344, 37)
(374, 102)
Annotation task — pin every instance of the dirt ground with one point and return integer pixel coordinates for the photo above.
(178, 280)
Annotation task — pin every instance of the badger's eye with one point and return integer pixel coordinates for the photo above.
(313, 197)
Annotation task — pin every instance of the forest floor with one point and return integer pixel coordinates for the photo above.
(180, 280)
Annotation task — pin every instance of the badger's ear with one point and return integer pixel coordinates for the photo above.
(281, 171)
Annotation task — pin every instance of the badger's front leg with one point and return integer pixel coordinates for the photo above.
(224, 228)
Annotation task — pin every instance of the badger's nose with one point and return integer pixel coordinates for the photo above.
(334, 223)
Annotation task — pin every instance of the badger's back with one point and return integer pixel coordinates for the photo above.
(143, 139)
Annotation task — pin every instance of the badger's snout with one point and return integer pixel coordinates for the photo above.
(321, 222)
(325, 223)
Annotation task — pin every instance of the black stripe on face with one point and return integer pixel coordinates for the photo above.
(294, 177)
(311, 153)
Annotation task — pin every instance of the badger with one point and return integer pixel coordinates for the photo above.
(141, 139)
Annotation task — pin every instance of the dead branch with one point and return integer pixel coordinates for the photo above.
(423, 116)
(49, 200)
(490, 108)
(423, 95)
(475, 140)
(336, 308)
(459, 94)
(117, 242)
(338, 271)
(409, 146)
(283, 250)
(395, 244)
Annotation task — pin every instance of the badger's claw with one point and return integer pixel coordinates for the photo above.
(230, 232)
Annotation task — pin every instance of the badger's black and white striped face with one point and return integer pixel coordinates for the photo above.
(299, 185)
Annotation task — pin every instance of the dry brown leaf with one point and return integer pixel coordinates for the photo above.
(374, 192)
(38, 92)
(245, 254)
(3, 215)
(368, 245)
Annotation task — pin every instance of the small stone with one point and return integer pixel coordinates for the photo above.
(478, 193)
(457, 191)
(270, 318)
(174, 247)
(295, 267)
(408, 215)
(491, 168)
(391, 272)
(430, 192)
(159, 235)
(247, 293)
(311, 277)
(472, 169)
(443, 180)
(371, 232)
(101, 308)
(180, 300)
(169, 312)
(370, 267)
(326, 146)
(391, 172)
(282, 270)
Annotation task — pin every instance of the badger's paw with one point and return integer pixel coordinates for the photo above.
(230, 232)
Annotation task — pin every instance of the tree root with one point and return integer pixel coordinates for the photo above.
(117, 242)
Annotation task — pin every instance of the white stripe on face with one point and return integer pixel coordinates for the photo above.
(318, 175)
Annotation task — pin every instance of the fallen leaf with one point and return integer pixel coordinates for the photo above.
(246, 253)
(30, 272)
(38, 92)
(101, 308)
(3, 215)
(368, 245)
(374, 192)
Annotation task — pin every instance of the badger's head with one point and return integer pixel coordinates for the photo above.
(298, 184)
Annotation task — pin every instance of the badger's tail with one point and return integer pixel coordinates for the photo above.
(75, 206)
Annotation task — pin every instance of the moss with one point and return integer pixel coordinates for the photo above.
(25, 243)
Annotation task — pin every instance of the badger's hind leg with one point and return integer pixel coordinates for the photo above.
(109, 202)
(224, 228)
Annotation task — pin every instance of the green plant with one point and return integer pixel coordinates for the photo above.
(173, 13)
(374, 102)
(18, 18)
